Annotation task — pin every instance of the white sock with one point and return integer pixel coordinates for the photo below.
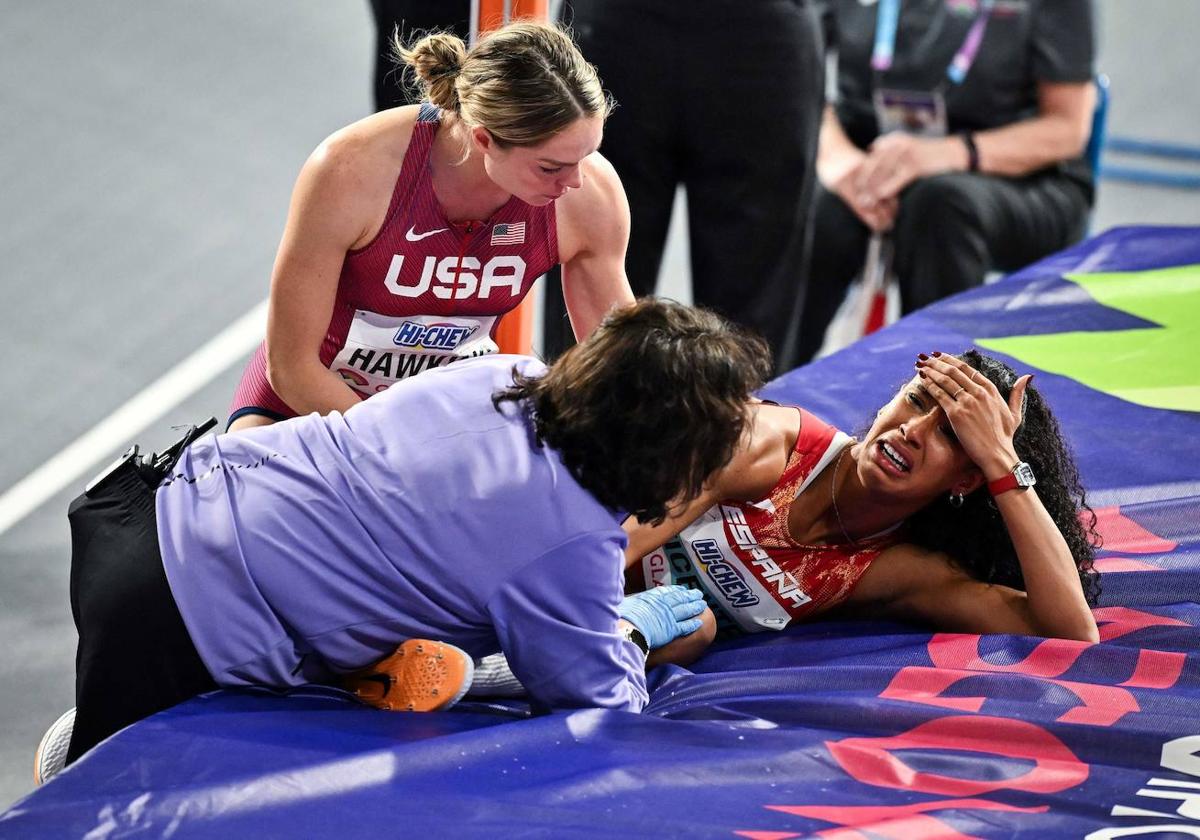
(493, 678)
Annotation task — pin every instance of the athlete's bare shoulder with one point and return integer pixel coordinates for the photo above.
(353, 171)
(374, 143)
(596, 214)
(756, 469)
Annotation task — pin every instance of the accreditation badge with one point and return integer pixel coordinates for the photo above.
(917, 112)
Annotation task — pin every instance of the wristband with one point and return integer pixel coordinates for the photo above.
(968, 139)
(1020, 477)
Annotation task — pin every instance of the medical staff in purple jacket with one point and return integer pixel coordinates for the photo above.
(478, 505)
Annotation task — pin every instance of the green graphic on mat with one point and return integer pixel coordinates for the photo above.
(1154, 367)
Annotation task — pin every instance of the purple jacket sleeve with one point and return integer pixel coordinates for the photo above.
(557, 624)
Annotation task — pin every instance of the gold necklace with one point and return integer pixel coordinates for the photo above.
(833, 494)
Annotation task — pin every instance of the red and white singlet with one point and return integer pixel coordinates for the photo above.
(424, 292)
(754, 576)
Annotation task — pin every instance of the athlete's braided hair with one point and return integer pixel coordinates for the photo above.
(650, 405)
(974, 534)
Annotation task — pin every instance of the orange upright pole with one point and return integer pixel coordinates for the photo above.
(515, 332)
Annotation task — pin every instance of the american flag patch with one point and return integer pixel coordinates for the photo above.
(511, 233)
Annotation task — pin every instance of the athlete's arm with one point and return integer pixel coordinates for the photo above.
(908, 583)
(593, 233)
(338, 203)
(984, 426)
(754, 469)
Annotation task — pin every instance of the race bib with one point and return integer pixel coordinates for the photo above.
(718, 555)
(380, 350)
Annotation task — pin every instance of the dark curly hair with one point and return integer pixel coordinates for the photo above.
(646, 408)
(974, 534)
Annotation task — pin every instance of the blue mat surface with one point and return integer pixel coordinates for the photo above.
(836, 730)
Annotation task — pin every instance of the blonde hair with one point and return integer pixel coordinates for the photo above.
(524, 82)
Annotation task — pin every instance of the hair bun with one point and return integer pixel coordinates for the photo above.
(436, 60)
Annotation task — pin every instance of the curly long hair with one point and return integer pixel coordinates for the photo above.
(650, 405)
(974, 534)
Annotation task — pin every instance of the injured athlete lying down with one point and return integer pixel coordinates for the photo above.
(934, 517)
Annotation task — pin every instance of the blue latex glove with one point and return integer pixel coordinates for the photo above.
(663, 613)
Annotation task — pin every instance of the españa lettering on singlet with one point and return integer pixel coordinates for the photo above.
(425, 292)
(754, 576)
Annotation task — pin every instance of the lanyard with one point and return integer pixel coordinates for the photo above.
(887, 19)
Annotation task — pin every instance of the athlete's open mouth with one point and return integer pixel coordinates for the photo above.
(894, 456)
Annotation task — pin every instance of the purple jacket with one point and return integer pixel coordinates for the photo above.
(315, 546)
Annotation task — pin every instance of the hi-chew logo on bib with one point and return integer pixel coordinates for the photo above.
(731, 576)
(436, 337)
(726, 578)
(381, 350)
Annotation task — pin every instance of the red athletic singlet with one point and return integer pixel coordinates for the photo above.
(424, 292)
(754, 576)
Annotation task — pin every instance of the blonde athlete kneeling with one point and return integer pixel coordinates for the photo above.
(413, 230)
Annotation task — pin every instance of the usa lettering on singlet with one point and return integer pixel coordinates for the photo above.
(425, 292)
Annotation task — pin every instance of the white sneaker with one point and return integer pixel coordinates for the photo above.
(51, 755)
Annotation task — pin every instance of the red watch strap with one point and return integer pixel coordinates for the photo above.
(1003, 484)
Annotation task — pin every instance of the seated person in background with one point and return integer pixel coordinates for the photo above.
(959, 130)
(931, 518)
(475, 505)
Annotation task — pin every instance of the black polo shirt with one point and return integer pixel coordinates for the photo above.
(1026, 42)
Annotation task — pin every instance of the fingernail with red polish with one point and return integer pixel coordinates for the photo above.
(937, 352)
(921, 374)
(922, 357)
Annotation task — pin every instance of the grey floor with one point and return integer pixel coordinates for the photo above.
(147, 151)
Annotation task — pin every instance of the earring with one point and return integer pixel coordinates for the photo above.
(956, 500)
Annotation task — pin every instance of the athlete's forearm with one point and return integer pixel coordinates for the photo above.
(311, 387)
(1056, 601)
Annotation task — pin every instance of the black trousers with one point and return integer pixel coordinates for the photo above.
(409, 16)
(950, 231)
(724, 97)
(135, 657)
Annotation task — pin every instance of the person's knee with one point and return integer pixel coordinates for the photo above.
(933, 206)
(939, 239)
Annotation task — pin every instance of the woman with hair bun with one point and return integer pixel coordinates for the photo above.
(413, 230)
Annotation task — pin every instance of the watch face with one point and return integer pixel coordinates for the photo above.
(1024, 475)
(635, 635)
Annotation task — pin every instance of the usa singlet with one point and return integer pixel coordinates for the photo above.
(754, 576)
(424, 292)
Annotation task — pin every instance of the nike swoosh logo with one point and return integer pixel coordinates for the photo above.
(413, 236)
